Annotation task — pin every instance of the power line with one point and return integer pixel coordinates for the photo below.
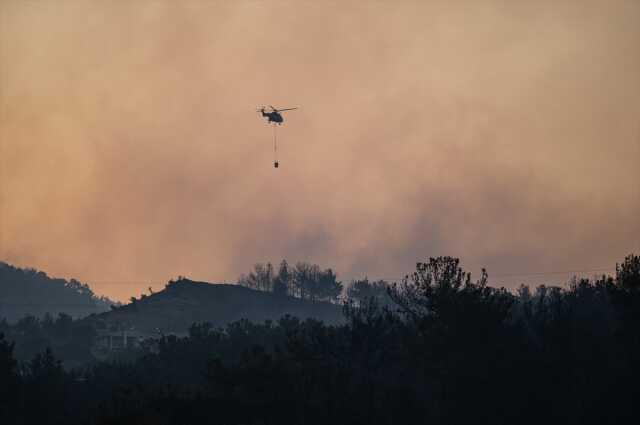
(604, 269)
(523, 274)
(491, 275)
(607, 269)
(128, 282)
(47, 305)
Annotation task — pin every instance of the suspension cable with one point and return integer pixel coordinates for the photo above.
(275, 148)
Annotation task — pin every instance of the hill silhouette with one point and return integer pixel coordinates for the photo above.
(31, 292)
(451, 351)
(185, 302)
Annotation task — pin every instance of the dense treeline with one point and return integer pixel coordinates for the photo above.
(31, 292)
(309, 282)
(444, 350)
(305, 281)
(69, 339)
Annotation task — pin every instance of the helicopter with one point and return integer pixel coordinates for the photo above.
(274, 116)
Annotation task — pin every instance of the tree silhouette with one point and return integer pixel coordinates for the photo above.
(261, 278)
(282, 282)
(453, 350)
(9, 382)
(628, 273)
(360, 291)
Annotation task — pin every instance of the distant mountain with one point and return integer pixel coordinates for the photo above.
(184, 302)
(31, 292)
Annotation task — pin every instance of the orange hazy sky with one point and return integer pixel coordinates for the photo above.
(506, 133)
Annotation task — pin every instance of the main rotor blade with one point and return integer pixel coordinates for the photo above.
(287, 109)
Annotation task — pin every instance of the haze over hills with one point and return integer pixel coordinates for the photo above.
(452, 209)
(31, 292)
(38, 313)
(185, 302)
(28, 291)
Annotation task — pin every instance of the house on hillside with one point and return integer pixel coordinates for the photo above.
(112, 341)
(117, 340)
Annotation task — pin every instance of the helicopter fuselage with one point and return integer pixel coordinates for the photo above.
(273, 116)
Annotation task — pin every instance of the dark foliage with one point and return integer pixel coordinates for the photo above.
(305, 281)
(361, 291)
(68, 339)
(26, 292)
(450, 351)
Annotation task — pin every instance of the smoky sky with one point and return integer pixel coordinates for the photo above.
(504, 133)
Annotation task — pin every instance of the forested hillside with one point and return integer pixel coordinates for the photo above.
(31, 292)
(184, 302)
(445, 350)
